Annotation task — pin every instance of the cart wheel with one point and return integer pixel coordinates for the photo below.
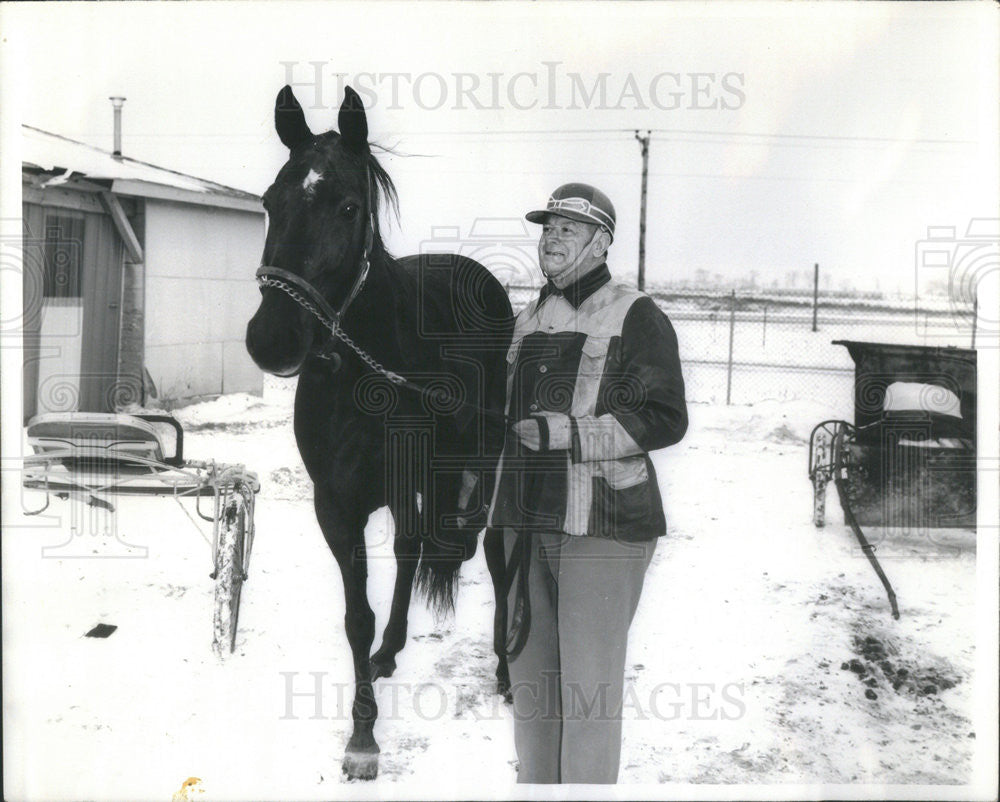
(229, 571)
(821, 465)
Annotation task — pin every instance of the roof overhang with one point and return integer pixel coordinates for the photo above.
(146, 189)
(35, 184)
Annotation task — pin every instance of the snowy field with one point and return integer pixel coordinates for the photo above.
(763, 657)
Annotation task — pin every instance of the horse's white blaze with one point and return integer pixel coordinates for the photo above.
(311, 180)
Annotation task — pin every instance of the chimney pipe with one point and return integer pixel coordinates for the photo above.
(117, 102)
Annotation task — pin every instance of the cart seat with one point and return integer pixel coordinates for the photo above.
(919, 412)
(99, 436)
(903, 396)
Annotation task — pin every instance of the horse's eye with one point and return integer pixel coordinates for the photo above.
(350, 211)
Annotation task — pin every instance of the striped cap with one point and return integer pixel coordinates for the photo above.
(580, 202)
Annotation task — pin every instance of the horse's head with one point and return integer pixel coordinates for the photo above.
(322, 231)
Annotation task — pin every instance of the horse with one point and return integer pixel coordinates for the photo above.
(401, 366)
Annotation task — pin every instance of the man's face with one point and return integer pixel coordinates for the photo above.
(560, 247)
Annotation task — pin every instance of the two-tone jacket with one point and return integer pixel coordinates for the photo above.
(597, 366)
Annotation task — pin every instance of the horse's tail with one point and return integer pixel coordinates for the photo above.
(437, 581)
(474, 436)
(448, 540)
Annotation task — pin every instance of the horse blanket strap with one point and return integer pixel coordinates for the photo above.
(520, 618)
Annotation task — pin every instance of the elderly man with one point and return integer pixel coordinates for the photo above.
(593, 384)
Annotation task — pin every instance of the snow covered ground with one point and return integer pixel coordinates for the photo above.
(762, 659)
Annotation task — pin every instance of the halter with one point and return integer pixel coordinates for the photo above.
(313, 300)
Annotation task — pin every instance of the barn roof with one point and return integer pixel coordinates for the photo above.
(47, 152)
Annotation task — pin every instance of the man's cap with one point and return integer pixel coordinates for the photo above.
(580, 202)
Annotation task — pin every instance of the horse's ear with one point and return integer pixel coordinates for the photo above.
(352, 122)
(289, 120)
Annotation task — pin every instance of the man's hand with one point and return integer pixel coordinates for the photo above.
(528, 433)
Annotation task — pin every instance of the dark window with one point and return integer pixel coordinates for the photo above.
(63, 256)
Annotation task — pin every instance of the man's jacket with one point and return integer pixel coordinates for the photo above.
(597, 366)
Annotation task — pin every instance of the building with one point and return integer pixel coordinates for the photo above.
(138, 280)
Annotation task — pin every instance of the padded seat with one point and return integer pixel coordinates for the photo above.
(112, 453)
(96, 436)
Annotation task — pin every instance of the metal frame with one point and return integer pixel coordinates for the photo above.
(93, 473)
(830, 459)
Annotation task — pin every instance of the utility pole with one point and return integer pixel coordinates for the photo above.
(644, 146)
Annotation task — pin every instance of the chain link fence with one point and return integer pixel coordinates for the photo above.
(743, 348)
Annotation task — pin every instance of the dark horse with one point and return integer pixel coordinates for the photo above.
(400, 397)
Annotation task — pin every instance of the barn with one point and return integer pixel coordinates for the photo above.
(138, 280)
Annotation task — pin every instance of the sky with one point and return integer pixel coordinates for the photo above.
(782, 135)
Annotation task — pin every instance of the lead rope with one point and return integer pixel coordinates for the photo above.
(265, 280)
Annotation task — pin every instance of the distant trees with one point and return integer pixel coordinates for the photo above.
(791, 282)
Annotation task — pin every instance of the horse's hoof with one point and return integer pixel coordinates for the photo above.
(360, 765)
(382, 668)
(503, 689)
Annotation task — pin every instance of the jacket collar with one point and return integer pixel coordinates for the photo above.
(581, 289)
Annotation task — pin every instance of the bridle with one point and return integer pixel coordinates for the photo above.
(311, 299)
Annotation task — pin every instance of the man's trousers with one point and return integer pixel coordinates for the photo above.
(567, 682)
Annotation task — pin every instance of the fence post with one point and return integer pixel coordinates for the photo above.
(644, 146)
(732, 329)
(815, 293)
(975, 317)
(763, 336)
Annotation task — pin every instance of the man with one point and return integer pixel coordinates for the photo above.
(593, 384)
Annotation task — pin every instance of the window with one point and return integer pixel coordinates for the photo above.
(63, 255)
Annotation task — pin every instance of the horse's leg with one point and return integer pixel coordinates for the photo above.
(495, 562)
(406, 546)
(346, 539)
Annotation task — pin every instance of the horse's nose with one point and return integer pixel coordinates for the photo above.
(276, 349)
(259, 343)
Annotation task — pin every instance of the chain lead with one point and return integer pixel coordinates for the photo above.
(333, 326)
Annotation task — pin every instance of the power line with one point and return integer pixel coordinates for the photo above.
(685, 132)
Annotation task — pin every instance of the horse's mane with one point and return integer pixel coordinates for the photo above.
(383, 191)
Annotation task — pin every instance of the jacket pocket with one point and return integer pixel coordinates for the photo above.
(621, 474)
(618, 510)
(593, 354)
